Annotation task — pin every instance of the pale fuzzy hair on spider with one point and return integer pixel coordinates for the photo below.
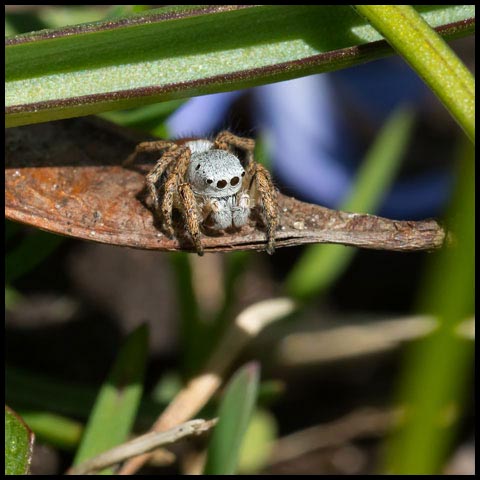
(212, 187)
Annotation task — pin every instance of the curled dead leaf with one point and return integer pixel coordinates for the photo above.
(66, 177)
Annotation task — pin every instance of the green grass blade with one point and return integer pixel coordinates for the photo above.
(18, 444)
(320, 265)
(180, 51)
(116, 406)
(430, 56)
(438, 370)
(234, 414)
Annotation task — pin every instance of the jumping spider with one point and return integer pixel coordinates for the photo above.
(210, 184)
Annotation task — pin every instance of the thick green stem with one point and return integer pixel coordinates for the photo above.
(430, 56)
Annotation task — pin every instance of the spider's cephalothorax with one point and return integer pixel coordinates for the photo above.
(210, 184)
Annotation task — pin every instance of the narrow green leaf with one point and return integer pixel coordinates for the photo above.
(18, 444)
(114, 412)
(179, 51)
(234, 414)
(320, 265)
(434, 61)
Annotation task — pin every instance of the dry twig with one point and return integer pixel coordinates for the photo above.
(142, 444)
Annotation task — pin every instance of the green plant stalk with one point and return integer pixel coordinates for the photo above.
(117, 403)
(321, 265)
(438, 370)
(430, 56)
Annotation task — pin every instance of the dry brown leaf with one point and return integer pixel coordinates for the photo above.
(67, 177)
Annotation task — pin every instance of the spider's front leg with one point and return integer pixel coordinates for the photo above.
(190, 212)
(157, 171)
(176, 177)
(268, 196)
(153, 146)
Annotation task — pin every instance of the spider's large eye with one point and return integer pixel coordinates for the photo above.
(234, 181)
(209, 181)
(221, 183)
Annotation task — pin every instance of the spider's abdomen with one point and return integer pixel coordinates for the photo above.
(215, 173)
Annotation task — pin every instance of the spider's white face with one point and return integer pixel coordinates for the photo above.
(214, 173)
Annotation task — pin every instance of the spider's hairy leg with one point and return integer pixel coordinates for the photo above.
(268, 195)
(224, 140)
(171, 184)
(153, 146)
(156, 172)
(190, 213)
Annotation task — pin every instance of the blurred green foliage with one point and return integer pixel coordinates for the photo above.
(438, 370)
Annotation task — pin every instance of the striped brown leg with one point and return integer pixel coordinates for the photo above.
(224, 140)
(156, 172)
(264, 187)
(175, 177)
(154, 146)
(190, 213)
